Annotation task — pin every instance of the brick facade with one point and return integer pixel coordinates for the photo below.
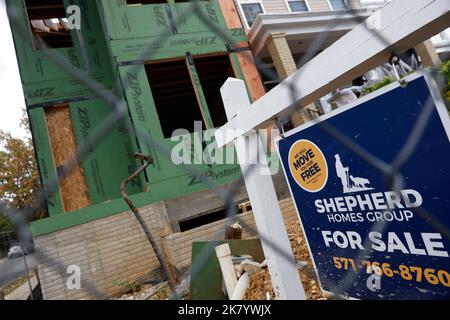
(428, 54)
(284, 63)
(115, 249)
(281, 55)
(107, 251)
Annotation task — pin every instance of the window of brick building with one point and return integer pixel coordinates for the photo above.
(251, 9)
(338, 4)
(298, 6)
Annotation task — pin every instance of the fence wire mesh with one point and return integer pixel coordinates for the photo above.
(391, 172)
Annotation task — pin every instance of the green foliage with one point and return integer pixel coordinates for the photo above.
(445, 69)
(5, 224)
(19, 181)
(380, 84)
(162, 293)
(127, 287)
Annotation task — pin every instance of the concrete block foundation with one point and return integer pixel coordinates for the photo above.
(115, 250)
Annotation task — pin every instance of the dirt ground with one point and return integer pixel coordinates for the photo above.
(260, 285)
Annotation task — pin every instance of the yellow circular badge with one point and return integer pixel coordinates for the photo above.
(308, 165)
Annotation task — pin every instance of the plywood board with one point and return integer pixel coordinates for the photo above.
(73, 187)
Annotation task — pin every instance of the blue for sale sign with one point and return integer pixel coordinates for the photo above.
(366, 238)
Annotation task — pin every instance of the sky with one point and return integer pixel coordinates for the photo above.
(12, 100)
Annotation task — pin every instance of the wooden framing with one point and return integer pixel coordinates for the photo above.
(230, 14)
(198, 91)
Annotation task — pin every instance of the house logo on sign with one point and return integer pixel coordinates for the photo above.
(349, 182)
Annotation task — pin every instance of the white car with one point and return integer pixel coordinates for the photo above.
(14, 252)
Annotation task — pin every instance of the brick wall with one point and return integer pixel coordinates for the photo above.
(115, 249)
(107, 251)
(178, 246)
(281, 55)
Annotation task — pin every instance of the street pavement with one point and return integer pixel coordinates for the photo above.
(11, 269)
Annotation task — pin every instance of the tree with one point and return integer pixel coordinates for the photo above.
(445, 69)
(5, 224)
(19, 181)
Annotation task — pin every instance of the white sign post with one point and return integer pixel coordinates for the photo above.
(277, 249)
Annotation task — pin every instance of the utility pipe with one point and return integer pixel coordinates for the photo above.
(223, 253)
(241, 287)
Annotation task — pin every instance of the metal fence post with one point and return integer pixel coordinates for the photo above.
(269, 221)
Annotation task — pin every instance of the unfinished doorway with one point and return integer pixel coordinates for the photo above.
(178, 88)
(174, 96)
(213, 71)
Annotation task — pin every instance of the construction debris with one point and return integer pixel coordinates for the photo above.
(252, 275)
(159, 291)
(233, 232)
(260, 287)
(241, 287)
(250, 266)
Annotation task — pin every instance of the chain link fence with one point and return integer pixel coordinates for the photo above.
(391, 172)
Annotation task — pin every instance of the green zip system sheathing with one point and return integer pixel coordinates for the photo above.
(45, 81)
(118, 45)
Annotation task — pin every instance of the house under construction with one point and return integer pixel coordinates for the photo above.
(168, 65)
